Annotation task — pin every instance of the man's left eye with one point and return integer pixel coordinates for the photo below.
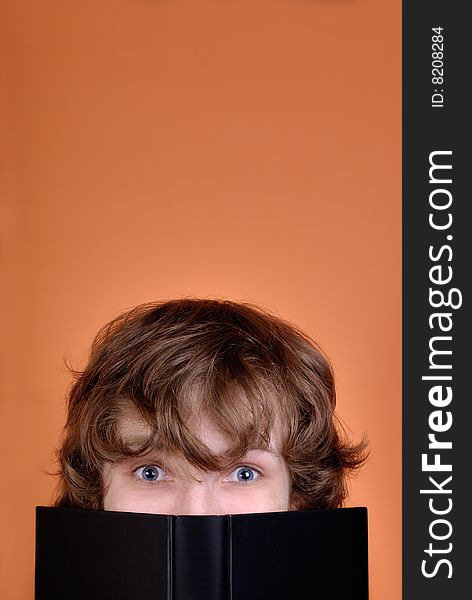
(244, 475)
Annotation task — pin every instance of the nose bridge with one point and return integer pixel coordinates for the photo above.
(197, 499)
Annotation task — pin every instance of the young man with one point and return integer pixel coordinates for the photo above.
(198, 406)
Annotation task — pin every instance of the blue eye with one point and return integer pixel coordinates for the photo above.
(150, 473)
(244, 474)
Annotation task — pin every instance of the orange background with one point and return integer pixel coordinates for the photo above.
(247, 149)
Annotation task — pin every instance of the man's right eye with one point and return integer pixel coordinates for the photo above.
(150, 473)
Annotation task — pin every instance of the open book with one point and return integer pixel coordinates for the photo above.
(98, 555)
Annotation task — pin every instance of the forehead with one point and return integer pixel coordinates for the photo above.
(132, 429)
(135, 432)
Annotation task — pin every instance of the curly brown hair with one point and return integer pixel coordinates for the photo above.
(243, 367)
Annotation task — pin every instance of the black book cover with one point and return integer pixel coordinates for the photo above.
(107, 555)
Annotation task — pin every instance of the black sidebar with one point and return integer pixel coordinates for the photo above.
(437, 257)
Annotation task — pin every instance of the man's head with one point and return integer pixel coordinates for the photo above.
(198, 406)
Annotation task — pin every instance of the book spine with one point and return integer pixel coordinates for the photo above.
(200, 558)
